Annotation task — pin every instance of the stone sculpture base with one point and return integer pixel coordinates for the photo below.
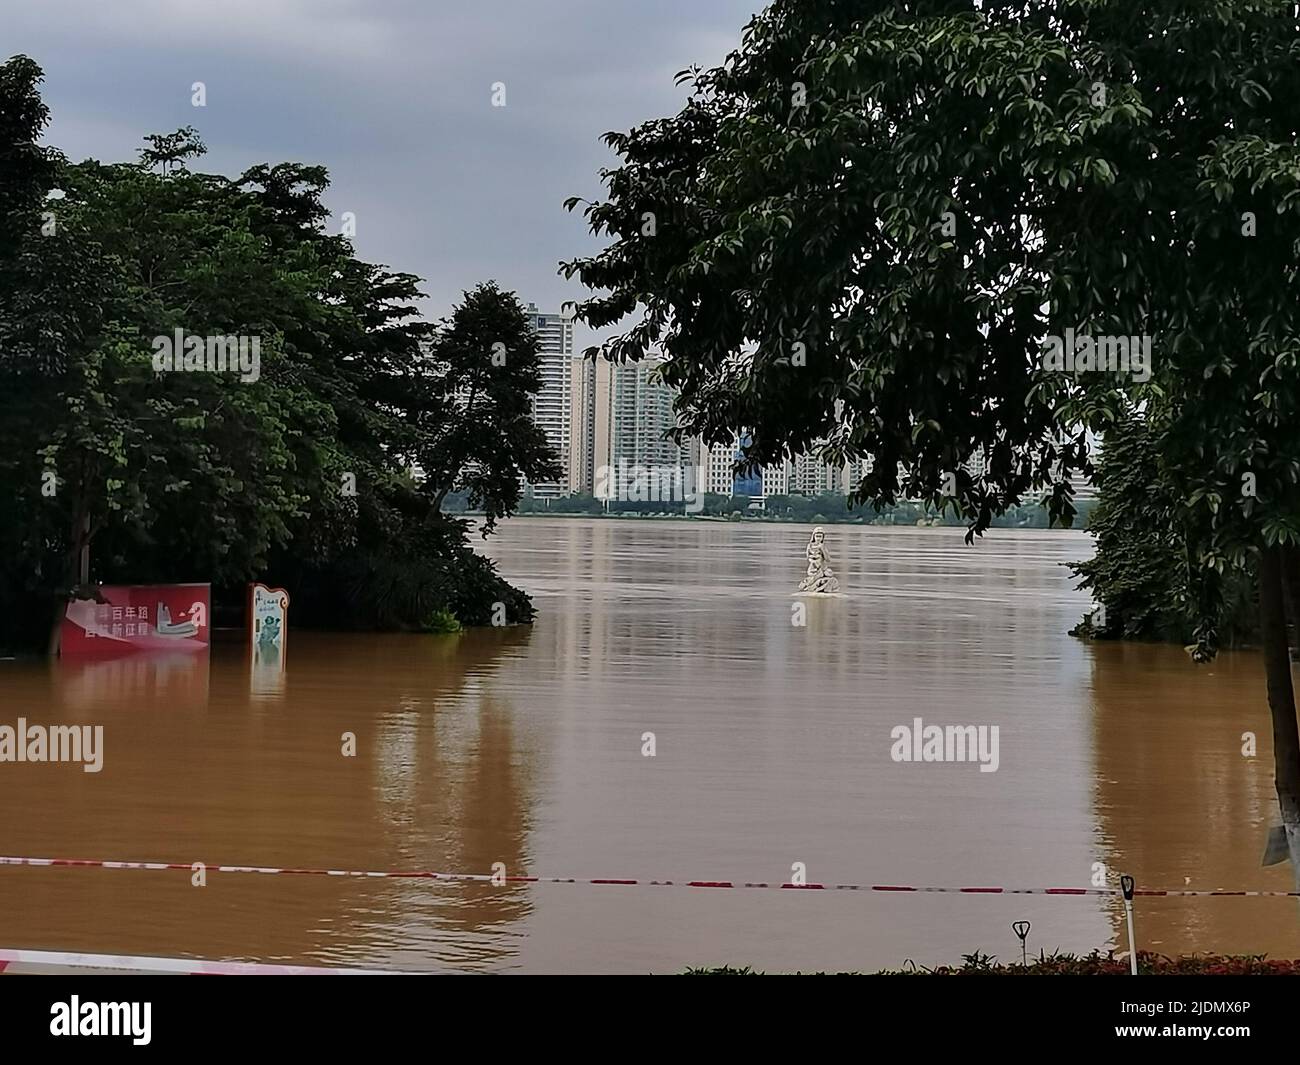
(820, 585)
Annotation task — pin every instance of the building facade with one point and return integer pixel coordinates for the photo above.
(601, 417)
(559, 397)
(642, 416)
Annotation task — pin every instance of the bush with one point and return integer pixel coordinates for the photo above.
(383, 591)
(442, 623)
(1094, 964)
(1141, 572)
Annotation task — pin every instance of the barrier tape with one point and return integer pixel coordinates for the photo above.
(631, 882)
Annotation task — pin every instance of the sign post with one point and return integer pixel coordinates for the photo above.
(268, 624)
(1126, 889)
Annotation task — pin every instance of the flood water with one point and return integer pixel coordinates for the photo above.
(772, 747)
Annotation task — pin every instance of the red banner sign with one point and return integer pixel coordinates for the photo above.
(134, 618)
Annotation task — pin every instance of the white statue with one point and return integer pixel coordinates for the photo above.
(820, 576)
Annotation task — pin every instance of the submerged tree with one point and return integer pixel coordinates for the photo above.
(484, 439)
(1144, 572)
(864, 226)
(119, 465)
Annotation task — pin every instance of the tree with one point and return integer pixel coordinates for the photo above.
(170, 151)
(167, 475)
(1143, 572)
(486, 360)
(52, 278)
(872, 217)
(294, 469)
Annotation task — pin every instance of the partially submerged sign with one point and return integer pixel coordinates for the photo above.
(268, 624)
(128, 619)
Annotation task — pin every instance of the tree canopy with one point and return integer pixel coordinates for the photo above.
(866, 222)
(303, 471)
(486, 361)
(865, 226)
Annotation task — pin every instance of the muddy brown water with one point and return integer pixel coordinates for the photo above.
(772, 747)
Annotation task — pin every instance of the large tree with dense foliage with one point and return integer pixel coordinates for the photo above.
(298, 473)
(484, 439)
(864, 225)
(1152, 586)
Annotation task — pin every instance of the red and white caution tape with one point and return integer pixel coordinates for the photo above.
(425, 874)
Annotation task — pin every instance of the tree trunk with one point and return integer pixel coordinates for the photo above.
(76, 574)
(1281, 697)
(55, 643)
(1291, 584)
(437, 500)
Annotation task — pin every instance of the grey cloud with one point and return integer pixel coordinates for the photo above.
(395, 98)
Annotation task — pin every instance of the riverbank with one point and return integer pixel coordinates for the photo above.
(827, 508)
(1094, 964)
(766, 518)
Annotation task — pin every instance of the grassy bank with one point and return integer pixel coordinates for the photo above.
(1094, 964)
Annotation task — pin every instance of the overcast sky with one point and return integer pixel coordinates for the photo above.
(394, 97)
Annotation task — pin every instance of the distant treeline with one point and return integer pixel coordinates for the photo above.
(828, 508)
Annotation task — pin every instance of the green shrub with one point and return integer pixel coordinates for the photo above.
(443, 623)
(384, 591)
(1094, 964)
(1141, 572)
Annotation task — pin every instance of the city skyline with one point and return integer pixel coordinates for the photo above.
(597, 414)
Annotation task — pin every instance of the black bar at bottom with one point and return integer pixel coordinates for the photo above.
(339, 1013)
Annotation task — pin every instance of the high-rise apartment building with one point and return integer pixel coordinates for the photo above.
(810, 474)
(592, 443)
(776, 480)
(555, 403)
(642, 416)
(597, 414)
(718, 467)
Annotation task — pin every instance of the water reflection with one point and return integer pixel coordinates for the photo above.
(163, 678)
(197, 769)
(1181, 806)
(524, 747)
(773, 741)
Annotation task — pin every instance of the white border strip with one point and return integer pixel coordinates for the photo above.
(16, 962)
